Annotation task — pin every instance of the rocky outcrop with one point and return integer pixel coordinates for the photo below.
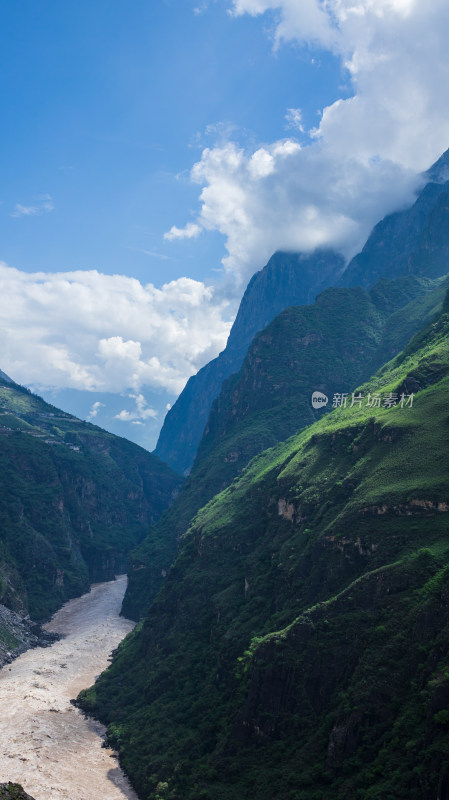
(18, 633)
(414, 507)
(13, 791)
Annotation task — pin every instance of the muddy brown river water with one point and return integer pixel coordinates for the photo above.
(45, 743)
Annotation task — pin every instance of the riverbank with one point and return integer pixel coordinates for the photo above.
(18, 634)
(48, 746)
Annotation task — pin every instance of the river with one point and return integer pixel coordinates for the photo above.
(47, 745)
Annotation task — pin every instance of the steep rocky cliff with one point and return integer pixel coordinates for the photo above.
(415, 241)
(288, 279)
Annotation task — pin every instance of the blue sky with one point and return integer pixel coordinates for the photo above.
(154, 155)
(105, 107)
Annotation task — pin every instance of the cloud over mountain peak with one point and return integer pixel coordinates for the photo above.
(364, 157)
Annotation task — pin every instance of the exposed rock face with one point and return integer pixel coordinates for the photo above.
(288, 279)
(13, 791)
(412, 241)
(16, 635)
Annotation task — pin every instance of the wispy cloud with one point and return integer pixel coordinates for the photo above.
(202, 7)
(43, 206)
(293, 119)
(152, 254)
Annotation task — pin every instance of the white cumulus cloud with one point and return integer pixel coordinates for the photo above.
(107, 333)
(363, 158)
(190, 231)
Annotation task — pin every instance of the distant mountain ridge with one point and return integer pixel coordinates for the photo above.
(413, 241)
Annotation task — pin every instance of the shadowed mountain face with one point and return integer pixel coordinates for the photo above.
(74, 500)
(411, 242)
(288, 279)
(414, 241)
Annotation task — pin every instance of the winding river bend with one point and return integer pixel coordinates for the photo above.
(45, 743)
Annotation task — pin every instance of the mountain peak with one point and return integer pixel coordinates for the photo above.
(439, 172)
(5, 377)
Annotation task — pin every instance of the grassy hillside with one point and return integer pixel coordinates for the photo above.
(299, 647)
(329, 346)
(73, 501)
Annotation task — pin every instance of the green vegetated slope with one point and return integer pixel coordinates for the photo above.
(299, 648)
(73, 501)
(329, 346)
